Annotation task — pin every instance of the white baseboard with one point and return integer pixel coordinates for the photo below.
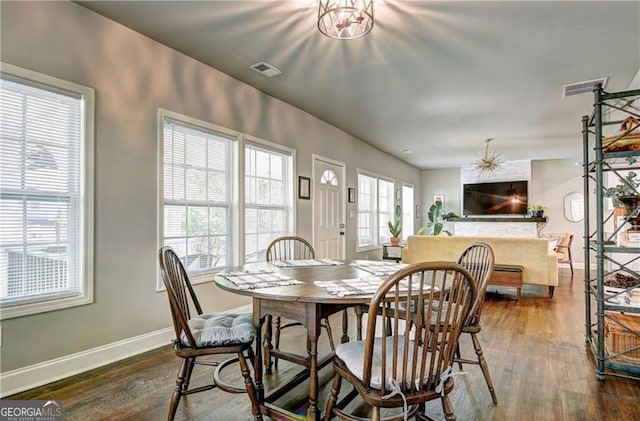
(25, 378)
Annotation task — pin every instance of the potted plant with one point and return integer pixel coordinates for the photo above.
(395, 230)
(626, 193)
(537, 211)
(436, 217)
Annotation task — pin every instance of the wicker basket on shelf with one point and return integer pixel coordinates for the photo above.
(628, 139)
(619, 339)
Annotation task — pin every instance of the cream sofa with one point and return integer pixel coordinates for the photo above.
(540, 265)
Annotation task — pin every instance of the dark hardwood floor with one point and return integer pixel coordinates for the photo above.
(540, 364)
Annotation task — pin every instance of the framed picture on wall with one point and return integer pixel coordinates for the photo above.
(304, 188)
(438, 198)
(351, 196)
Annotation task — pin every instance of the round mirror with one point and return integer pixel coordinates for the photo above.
(574, 206)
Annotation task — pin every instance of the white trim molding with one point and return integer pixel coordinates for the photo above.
(25, 378)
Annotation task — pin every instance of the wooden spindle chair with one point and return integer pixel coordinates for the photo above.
(391, 369)
(289, 248)
(205, 334)
(479, 260)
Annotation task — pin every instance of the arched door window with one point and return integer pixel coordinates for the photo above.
(329, 177)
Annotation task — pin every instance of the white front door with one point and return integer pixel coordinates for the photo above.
(329, 208)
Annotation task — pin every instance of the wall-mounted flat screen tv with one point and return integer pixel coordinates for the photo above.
(498, 198)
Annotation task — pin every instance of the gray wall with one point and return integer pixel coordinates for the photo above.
(551, 180)
(133, 76)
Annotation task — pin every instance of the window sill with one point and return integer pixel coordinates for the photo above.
(368, 248)
(19, 310)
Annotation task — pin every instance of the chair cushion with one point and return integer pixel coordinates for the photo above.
(221, 329)
(352, 354)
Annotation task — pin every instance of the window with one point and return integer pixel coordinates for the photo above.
(407, 211)
(367, 208)
(46, 197)
(375, 209)
(268, 197)
(385, 210)
(197, 175)
(329, 178)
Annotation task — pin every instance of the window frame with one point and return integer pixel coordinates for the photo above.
(408, 212)
(375, 224)
(384, 236)
(290, 206)
(84, 240)
(234, 218)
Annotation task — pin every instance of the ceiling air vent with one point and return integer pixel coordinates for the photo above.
(582, 87)
(265, 69)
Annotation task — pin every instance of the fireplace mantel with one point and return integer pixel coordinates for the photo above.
(498, 219)
(496, 226)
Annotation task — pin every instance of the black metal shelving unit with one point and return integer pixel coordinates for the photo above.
(603, 247)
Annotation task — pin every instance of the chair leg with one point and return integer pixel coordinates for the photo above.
(484, 367)
(458, 356)
(333, 397)
(251, 388)
(325, 324)
(375, 413)
(266, 345)
(177, 391)
(345, 327)
(359, 312)
(276, 340)
(187, 376)
(447, 408)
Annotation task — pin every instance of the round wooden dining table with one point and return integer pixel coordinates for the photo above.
(305, 303)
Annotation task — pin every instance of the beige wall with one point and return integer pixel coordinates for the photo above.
(133, 76)
(551, 180)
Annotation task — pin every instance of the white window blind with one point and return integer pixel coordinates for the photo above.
(268, 198)
(367, 209)
(385, 210)
(407, 211)
(197, 191)
(44, 215)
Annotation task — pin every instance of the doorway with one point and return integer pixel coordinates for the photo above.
(329, 229)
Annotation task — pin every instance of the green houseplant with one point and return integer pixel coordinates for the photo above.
(625, 194)
(537, 211)
(395, 229)
(436, 218)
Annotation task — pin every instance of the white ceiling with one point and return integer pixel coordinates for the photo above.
(436, 78)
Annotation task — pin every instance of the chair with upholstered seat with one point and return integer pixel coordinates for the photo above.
(290, 248)
(478, 259)
(205, 334)
(391, 369)
(561, 243)
(563, 250)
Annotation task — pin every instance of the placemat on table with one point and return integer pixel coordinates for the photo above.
(305, 263)
(382, 269)
(365, 285)
(259, 279)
